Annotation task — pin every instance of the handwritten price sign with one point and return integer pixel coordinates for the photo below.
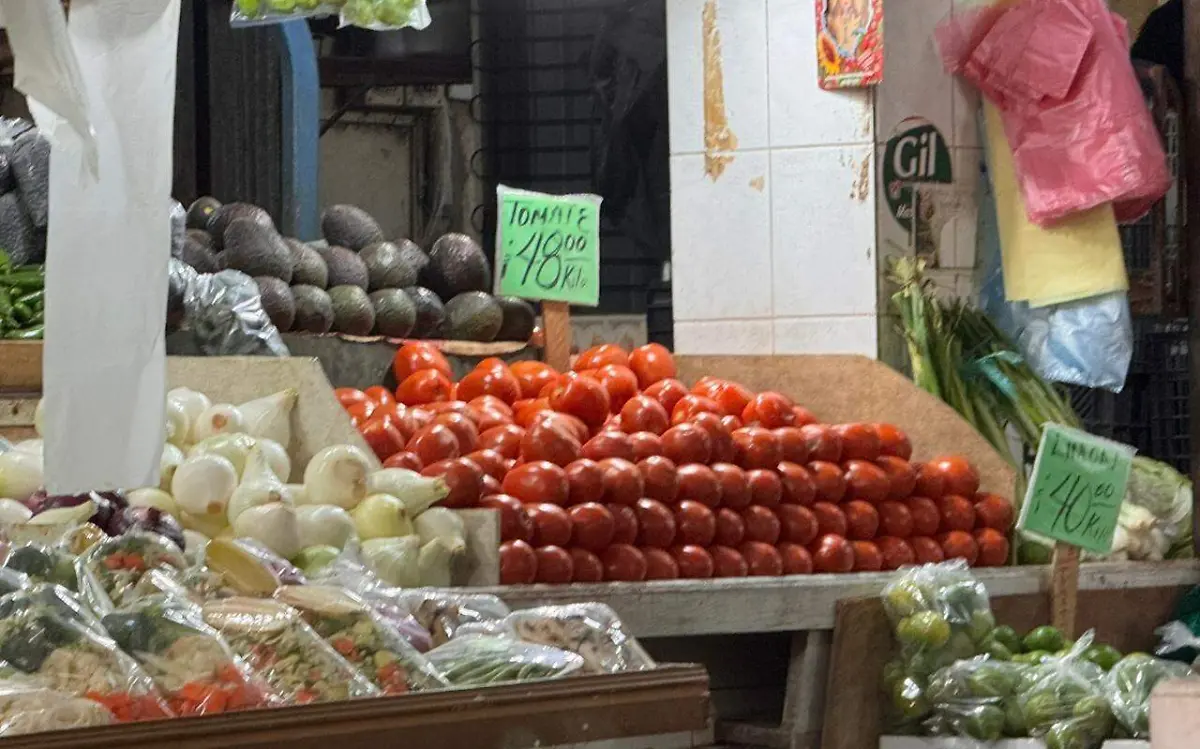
(1077, 487)
(548, 247)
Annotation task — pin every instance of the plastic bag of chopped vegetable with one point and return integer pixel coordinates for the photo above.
(63, 654)
(278, 646)
(363, 637)
(53, 597)
(591, 630)
(348, 573)
(480, 660)
(977, 699)
(1129, 684)
(442, 612)
(110, 571)
(1062, 700)
(43, 563)
(26, 708)
(11, 581)
(191, 665)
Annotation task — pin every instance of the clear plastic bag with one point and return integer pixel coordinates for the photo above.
(591, 630)
(110, 571)
(55, 598)
(349, 573)
(977, 699)
(442, 612)
(191, 665)
(362, 637)
(11, 581)
(224, 313)
(261, 12)
(278, 646)
(1128, 686)
(178, 227)
(1062, 699)
(65, 655)
(43, 563)
(27, 708)
(479, 660)
(385, 15)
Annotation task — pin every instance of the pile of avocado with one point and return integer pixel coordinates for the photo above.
(356, 282)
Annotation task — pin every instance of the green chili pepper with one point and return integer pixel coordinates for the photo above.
(27, 334)
(33, 298)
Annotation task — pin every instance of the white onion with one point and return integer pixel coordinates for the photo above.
(172, 456)
(234, 447)
(178, 426)
(417, 492)
(337, 476)
(210, 525)
(270, 416)
(12, 511)
(324, 525)
(273, 525)
(221, 418)
(433, 563)
(394, 560)
(20, 474)
(439, 522)
(193, 403)
(259, 486)
(381, 516)
(299, 494)
(277, 457)
(203, 484)
(151, 497)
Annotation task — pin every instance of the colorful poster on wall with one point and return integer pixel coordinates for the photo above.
(849, 43)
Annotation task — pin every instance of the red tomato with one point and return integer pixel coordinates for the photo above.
(865, 480)
(550, 440)
(575, 427)
(993, 511)
(645, 445)
(793, 444)
(489, 418)
(959, 545)
(862, 520)
(667, 392)
(796, 559)
(518, 563)
(694, 562)
(698, 483)
(588, 568)
(762, 560)
(554, 565)
(497, 382)
(797, 524)
(660, 565)
(433, 443)
(383, 436)
(798, 485)
(830, 519)
(696, 523)
(832, 553)
(505, 440)
(600, 356)
(582, 398)
(463, 428)
(824, 443)
(756, 447)
(625, 523)
(732, 423)
(533, 376)
(829, 481)
(620, 382)
(463, 477)
(585, 479)
(993, 547)
(360, 412)
(771, 410)
(641, 413)
(730, 528)
(895, 519)
(594, 526)
(622, 481)
(652, 363)
(896, 552)
(660, 478)
(488, 485)
(728, 562)
(525, 412)
(802, 416)
(958, 514)
(690, 405)
(902, 477)
(761, 524)
(349, 396)
(733, 487)
(413, 419)
(893, 441)
(926, 550)
(426, 386)
(766, 490)
(449, 406)
(490, 462)
(608, 445)
(925, 515)
(414, 357)
(623, 563)
(656, 524)
(867, 556)
(958, 475)
(930, 483)
(687, 443)
(551, 524)
(719, 436)
(730, 396)
(490, 403)
(380, 395)
(537, 482)
(859, 441)
(515, 523)
(404, 460)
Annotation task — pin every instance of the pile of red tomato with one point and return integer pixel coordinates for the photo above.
(619, 471)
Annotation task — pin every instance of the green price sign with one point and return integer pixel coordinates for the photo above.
(1077, 487)
(548, 246)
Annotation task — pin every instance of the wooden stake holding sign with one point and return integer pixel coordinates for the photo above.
(548, 250)
(1074, 498)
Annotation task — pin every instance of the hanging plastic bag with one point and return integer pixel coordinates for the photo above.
(263, 12)
(385, 15)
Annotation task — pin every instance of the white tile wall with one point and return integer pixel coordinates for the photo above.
(744, 337)
(827, 335)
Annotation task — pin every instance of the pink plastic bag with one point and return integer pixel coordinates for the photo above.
(1073, 110)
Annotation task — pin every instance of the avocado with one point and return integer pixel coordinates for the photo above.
(353, 313)
(314, 310)
(518, 319)
(456, 265)
(30, 163)
(228, 213)
(17, 233)
(413, 254)
(349, 226)
(473, 316)
(257, 250)
(395, 312)
(198, 252)
(201, 211)
(346, 268)
(277, 302)
(431, 315)
(308, 267)
(387, 267)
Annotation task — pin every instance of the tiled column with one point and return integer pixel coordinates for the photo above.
(777, 252)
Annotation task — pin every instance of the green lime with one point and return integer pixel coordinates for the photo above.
(903, 599)
(250, 8)
(985, 723)
(909, 698)
(961, 646)
(1044, 638)
(892, 673)
(981, 625)
(1032, 552)
(997, 650)
(1041, 709)
(927, 629)
(1033, 657)
(282, 6)
(1094, 713)
(1014, 719)
(1066, 736)
(1008, 637)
